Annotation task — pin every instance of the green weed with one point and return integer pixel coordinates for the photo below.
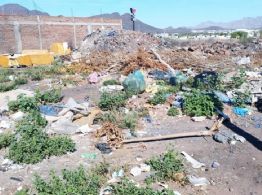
(173, 112)
(110, 101)
(111, 82)
(6, 139)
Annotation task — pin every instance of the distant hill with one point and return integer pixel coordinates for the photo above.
(127, 23)
(16, 9)
(245, 23)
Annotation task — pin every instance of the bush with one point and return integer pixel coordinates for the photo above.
(173, 112)
(6, 139)
(239, 35)
(23, 103)
(241, 99)
(167, 166)
(111, 82)
(37, 76)
(51, 96)
(33, 144)
(198, 104)
(129, 188)
(7, 86)
(71, 182)
(130, 121)
(110, 101)
(158, 98)
(21, 81)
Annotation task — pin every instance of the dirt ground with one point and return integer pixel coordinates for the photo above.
(239, 173)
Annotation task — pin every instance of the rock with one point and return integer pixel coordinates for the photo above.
(198, 118)
(177, 193)
(93, 78)
(243, 61)
(84, 129)
(63, 126)
(195, 163)
(18, 116)
(220, 138)
(136, 171)
(145, 168)
(198, 181)
(5, 124)
(215, 165)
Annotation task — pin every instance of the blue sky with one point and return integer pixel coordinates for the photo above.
(160, 13)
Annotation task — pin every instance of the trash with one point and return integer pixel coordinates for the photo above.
(113, 133)
(135, 171)
(89, 155)
(243, 61)
(215, 165)
(222, 97)
(153, 89)
(104, 148)
(93, 78)
(111, 88)
(199, 118)
(49, 110)
(118, 174)
(198, 181)
(9, 165)
(5, 124)
(195, 163)
(239, 138)
(16, 179)
(18, 116)
(135, 82)
(178, 78)
(159, 75)
(148, 119)
(240, 111)
(145, 168)
(258, 105)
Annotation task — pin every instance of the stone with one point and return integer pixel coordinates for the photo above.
(136, 171)
(215, 165)
(145, 168)
(18, 116)
(5, 124)
(198, 181)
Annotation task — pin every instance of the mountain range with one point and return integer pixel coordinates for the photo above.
(245, 23)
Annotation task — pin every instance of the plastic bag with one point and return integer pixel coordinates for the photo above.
(135, 82)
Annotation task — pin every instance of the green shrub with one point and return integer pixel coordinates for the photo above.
(111, 82)
(198, 104)
(33, 144)
(37, 76)
(51, 96)
(166, 166)
(158, 98)
(173, 112)
(239, 35)
(110, 101)
(126, 187)
(23, 103)
(240, 99)
(238, 80)
(7, 86)
(130, 121)
(22, 192)
(21, 81)
(71, 182)
(6, 139)
(58, 146)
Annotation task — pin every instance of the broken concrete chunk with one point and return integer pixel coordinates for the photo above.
(136, 171)
(220, 138)
(84, 129)
(239, 138)
(63, 126)
(18, 116)
(111, 88)
(195, 163)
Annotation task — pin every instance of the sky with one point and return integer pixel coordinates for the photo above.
(159, 13)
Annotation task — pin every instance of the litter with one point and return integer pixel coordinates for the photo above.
(118, 174)
(198, 181)
(93, 78)
(240, 111)
(49, 110)
(239, 138)
(215, 165)
(195, 163)
(222, 97)
(135, 82)
(104, 148)
(198, 118)
(111, 88)
(89, 155)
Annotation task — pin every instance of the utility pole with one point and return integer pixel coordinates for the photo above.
(133, 17)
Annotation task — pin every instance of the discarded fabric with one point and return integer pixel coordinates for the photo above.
(104, 148)
(240, 111)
